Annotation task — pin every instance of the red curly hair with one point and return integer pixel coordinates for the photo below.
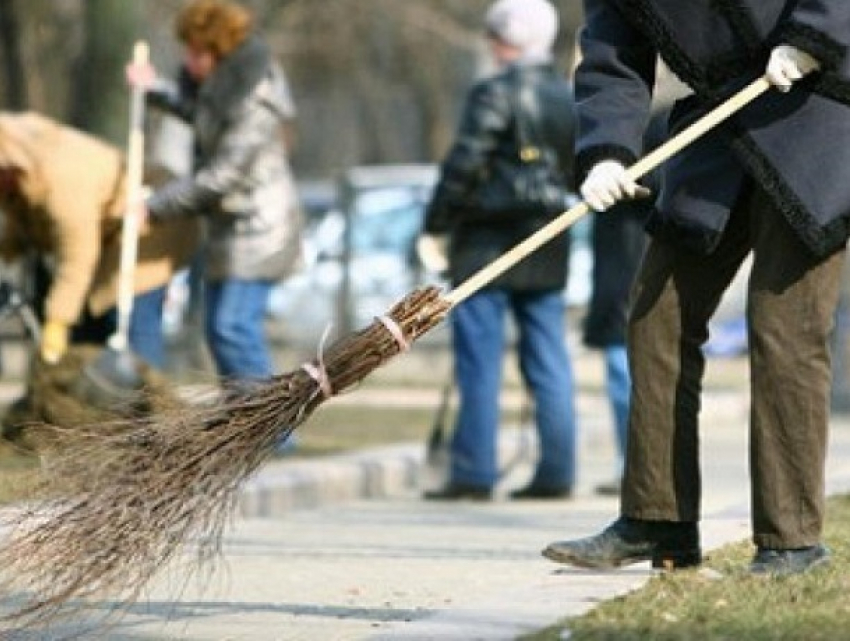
(218, 26)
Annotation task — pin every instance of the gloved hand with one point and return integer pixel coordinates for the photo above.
(432, 250)
(142, 208)
(788, 64)
(143, 75)
(607, 183)
(54, 341)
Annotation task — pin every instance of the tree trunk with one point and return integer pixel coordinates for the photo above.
(15, 95)
(99, 95)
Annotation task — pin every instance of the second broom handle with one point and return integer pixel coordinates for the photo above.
(490, 272)
(130, 223)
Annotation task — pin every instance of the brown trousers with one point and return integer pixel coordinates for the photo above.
(791, 301)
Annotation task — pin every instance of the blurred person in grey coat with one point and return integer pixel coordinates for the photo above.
(236, 98)
(750, 186)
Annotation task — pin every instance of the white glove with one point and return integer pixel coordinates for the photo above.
(788, 64)
(607, 183)
(432, 250)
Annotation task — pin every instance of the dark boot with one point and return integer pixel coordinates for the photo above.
(459, 492)
(667, 544)
(541, 492)
(772, 562)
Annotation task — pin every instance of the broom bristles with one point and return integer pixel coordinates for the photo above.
(121, 499)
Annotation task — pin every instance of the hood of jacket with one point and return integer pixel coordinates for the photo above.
(237, 76)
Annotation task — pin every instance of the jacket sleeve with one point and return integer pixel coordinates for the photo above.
(177, 97)
(485, 116)
(821, 28)
(76, 237)
(613, 86)
(228, 169)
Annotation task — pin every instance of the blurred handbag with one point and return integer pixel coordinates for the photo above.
(521, 189)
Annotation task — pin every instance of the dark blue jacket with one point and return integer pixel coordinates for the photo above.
(796, 145)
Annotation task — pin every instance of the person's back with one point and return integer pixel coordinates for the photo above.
(532, 106)
(555, 100)
(257, 235)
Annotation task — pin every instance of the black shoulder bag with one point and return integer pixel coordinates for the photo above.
(523, 186)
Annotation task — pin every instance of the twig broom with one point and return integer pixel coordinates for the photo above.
(124, 498)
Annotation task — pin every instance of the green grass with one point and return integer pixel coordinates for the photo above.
(726, 603)
(334, 429)
(18, 472)
(331, 430)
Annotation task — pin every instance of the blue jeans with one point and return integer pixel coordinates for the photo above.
(145, 333)
(479, 344)
(618, 387)
(235, 311)
(145, 336)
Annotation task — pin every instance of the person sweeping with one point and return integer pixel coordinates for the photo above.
(771, 183)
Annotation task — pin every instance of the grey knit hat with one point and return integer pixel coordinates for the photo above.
(529, 25)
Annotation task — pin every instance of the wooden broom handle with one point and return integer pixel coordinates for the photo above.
(490, 272)
(134, 194)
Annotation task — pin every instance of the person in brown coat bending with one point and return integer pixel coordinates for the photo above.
(62, 195)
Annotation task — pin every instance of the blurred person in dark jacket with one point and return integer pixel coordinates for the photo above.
(237, 100)
(618, 240)
(519, 116)
(750, 186)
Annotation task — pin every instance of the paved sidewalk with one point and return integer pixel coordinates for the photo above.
(343, 548)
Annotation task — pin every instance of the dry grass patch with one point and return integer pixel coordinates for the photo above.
(722, 601)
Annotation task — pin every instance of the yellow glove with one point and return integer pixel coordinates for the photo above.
(54, 341)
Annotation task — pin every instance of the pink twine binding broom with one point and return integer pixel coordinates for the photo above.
(122, 499)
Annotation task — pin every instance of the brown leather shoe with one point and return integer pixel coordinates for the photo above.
(459, 492)
(667, 544)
